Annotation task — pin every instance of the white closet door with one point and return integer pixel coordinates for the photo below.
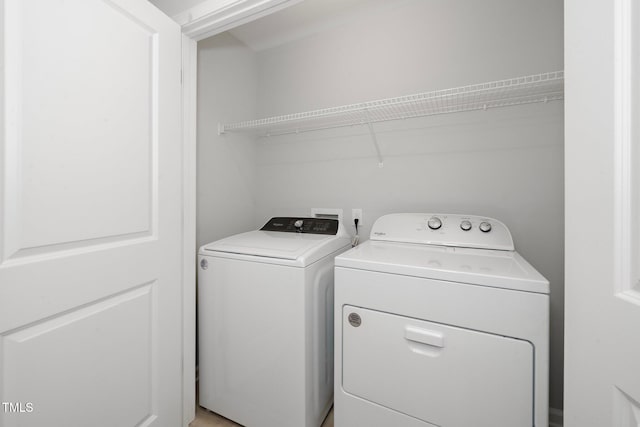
(602, 326)
(90, 202)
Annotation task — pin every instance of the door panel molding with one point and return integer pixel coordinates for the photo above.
(12, 83)
(627, 152)
(116, 199)
(75, 341)
(46, 252)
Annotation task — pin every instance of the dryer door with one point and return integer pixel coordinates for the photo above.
(448, 376)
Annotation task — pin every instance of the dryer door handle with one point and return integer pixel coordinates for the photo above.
(424, 336)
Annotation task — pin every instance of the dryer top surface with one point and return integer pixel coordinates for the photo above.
(493, 268)
(451, 248)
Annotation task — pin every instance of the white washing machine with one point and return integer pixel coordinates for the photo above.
(265, 317)
(440, 323)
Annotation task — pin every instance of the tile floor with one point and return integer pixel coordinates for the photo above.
(205, 418)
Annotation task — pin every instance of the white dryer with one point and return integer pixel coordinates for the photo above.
(440, 323)
(265, 318)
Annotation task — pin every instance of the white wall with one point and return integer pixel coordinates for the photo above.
(226, 164)
(504, 163)
(507, 163)
(407, 46)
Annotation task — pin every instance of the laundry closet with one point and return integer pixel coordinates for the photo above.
(504, 162)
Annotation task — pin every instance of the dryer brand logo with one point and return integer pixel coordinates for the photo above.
(17, 407)
(355, 320)
(380, 233)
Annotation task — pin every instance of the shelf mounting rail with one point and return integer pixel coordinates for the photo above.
(543, 87)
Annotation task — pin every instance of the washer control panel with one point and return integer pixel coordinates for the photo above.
(469, 231)
(302, 225)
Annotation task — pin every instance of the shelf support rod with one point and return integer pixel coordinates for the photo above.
(374, 139)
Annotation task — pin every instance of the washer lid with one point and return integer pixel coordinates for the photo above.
(494, 268)
(273, 244)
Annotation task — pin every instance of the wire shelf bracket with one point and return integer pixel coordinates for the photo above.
(375, 140)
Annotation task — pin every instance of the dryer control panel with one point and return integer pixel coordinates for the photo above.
(302, 225)
(466, 231)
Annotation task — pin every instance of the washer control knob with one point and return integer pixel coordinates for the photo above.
(434, 223)
(485, 227)
(465, 225)
(298, 223)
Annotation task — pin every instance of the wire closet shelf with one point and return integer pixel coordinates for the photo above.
(502, 93)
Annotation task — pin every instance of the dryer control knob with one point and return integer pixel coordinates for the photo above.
(465, 225)
(434, 223)
(298, 223)
(485, 227)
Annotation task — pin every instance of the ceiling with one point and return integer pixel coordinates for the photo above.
(173, 7)
(299, 21)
